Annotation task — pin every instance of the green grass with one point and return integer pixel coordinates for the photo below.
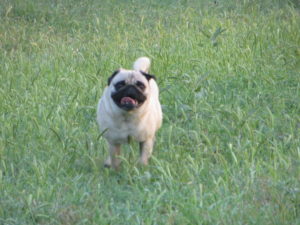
(229, 148)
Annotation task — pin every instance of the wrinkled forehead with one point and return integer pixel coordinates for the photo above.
(130, 77)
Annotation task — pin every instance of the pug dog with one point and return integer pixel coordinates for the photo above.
(130, 108)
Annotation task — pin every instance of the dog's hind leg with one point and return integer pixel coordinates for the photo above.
(146, 148)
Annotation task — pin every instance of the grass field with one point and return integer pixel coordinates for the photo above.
(229, 148)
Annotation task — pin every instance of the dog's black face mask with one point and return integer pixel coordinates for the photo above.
(129, 97)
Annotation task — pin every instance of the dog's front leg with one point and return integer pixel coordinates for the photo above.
(113, 159)
(146, 148)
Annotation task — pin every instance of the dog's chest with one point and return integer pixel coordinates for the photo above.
(125, 129)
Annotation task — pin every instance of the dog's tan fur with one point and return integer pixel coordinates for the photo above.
(141, 124)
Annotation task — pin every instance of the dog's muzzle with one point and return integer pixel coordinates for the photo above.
(128, 97)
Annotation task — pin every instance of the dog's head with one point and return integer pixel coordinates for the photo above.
(129, 89)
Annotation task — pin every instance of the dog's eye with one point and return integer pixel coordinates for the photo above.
(119, 84)
(140, 85)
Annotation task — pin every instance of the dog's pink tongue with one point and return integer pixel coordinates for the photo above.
(128, 100)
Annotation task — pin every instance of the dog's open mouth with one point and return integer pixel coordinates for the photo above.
(128, 98)
(128, 101)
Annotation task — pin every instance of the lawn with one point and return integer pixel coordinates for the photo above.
(229, 148)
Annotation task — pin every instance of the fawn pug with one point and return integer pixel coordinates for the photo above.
(130, 107)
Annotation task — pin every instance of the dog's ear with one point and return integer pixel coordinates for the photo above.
(148, 76)
(112, 76)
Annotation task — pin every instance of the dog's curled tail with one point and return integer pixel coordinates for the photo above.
(142, 64)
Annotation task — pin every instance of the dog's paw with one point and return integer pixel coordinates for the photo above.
(115, 164)
(107, 163)
(143, 161)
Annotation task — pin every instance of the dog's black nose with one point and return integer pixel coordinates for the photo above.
(131, 91)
